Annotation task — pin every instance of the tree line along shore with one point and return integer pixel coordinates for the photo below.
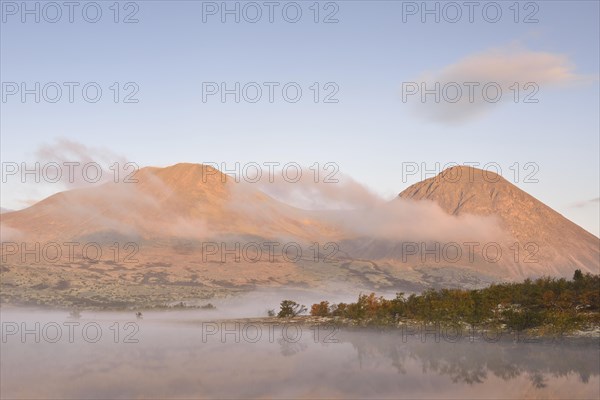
(544, 306)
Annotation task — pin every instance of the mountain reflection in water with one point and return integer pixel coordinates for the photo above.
(173, 359)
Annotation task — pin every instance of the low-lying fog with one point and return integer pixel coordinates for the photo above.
(174, 354)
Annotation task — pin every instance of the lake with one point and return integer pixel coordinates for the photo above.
(174, 354)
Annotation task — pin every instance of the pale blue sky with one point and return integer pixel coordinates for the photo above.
(368, 54)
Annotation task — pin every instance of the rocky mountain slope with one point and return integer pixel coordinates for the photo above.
(152, 236)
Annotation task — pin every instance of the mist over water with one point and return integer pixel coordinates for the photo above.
(176, 355)
(256, 303)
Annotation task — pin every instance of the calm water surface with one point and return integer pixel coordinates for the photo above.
(175, 355)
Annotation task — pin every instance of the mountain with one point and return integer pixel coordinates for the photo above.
(184, 201)
(549, 243)
(147, 243)
(169, 214)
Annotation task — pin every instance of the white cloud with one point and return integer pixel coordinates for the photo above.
(593, 202)
(500, 67)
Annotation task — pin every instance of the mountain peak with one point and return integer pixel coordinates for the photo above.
(187, 172)
(465, 173)
(467, 190)
(187, 180)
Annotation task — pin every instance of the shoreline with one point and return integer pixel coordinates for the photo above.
(410, 327)
(450, 332)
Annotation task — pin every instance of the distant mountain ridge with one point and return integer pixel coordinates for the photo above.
(181, 201)
(171, 211)
(563, 245)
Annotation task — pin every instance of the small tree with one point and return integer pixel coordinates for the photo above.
(290, 309)
(564, 321)
(521, 320)
(320, 310)
(339, 310)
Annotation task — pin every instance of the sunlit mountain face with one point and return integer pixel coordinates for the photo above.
(197, 229)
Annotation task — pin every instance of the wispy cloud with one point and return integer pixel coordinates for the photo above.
(68, 151)
(587, 203)
(61, 165)
(503, 67)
